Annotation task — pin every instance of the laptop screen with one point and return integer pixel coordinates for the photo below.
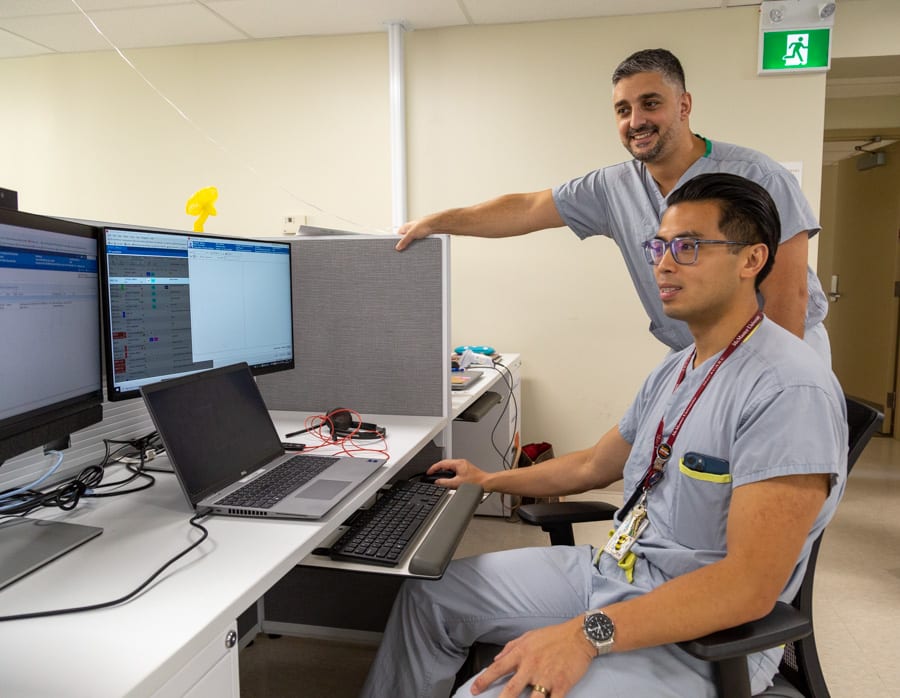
(215, 426)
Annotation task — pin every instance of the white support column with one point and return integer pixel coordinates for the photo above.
(398, 124)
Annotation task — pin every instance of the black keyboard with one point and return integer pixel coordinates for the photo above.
(269, 489)
(381, 534)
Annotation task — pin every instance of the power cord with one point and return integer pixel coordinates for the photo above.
(142, 447)
(28, 489)
(508, 380)
(67, 494)
(512, 448)
(127, 597)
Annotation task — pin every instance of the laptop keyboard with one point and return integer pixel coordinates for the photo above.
(382, 533)
(269, 489)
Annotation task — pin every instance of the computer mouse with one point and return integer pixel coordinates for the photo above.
(438, 475)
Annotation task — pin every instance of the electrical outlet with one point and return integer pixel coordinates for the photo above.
(291, 224)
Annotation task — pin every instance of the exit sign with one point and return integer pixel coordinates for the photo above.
(794, 50)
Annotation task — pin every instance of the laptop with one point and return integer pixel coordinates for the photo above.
(220, 439)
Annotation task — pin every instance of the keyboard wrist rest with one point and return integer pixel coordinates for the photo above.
(433, 554)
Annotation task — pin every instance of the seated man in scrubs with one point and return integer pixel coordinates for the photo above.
(733, 456)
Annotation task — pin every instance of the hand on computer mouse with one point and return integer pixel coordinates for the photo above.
(453, 472)
(438, 475)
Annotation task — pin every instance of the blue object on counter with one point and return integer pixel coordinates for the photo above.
(488, 351)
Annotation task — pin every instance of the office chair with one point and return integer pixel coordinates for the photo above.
(799, 674)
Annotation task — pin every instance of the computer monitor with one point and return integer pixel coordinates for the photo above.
(50, 358)
(177, 302)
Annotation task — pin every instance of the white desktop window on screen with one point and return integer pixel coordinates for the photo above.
(48, 285)
(238, 301)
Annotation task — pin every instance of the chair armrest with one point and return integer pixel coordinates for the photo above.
(783, 624)
(565, 512)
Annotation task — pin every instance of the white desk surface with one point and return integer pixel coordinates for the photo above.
(134, 648)
(461, 399)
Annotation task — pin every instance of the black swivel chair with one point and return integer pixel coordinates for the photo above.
(791, 625)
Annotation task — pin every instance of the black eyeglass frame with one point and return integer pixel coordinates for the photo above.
(676, 247)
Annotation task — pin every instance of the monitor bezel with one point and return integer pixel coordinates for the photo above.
(51, 423)
(256, 369)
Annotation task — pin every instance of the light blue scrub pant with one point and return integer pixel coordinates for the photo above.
(499, 596)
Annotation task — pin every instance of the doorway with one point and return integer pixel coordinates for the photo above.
(860, 222)
(859, 246)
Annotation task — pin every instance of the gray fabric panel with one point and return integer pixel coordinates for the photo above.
(367, 328)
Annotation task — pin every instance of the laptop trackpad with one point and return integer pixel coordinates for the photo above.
(323, 489)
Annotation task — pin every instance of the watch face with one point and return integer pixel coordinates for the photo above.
(599, 627)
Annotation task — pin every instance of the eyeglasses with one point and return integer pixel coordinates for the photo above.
(684, 250)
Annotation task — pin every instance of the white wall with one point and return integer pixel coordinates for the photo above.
(490, 110)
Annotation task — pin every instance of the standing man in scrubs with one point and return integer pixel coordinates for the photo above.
(626, 201)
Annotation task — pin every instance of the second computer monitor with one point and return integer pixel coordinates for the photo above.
(50, 373)
(176, 303)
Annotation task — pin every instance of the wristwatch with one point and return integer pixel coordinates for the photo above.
(600, 631)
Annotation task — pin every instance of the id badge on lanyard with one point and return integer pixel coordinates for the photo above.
(626, 535)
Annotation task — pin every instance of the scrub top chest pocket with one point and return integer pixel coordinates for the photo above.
(702, 500)
(704, 467)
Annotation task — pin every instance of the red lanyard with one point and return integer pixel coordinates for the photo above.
(663, 451)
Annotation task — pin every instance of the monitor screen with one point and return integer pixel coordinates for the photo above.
(176, 303)
(50, 359)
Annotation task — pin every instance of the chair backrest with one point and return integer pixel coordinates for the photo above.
(863, 421)
(800, 664)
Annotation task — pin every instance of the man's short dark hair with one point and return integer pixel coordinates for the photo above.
(651, 60)
(746, 211)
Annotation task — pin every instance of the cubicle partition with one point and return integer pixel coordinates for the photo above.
(371, 333)
(371, 328)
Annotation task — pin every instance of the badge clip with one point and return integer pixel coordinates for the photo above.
(626, 535)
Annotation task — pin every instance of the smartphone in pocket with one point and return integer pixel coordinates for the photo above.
(701, 463)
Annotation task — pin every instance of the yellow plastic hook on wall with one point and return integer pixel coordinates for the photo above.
(201, 204)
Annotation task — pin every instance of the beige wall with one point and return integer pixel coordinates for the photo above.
(301, 126)
(866, 28)
(273, 125)
(868, 112)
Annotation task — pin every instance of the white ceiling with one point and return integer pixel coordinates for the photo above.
(36, 27)
(32, 27)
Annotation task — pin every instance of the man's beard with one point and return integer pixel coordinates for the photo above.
(654, 152)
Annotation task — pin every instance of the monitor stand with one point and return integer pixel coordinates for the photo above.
(27, 544)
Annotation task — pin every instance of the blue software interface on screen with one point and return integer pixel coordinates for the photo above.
(179, 303)
(49, 321)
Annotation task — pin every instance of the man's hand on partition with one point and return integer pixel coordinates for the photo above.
(414, 230)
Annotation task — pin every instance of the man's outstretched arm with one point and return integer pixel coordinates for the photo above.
(505, 216)
(591, 468)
